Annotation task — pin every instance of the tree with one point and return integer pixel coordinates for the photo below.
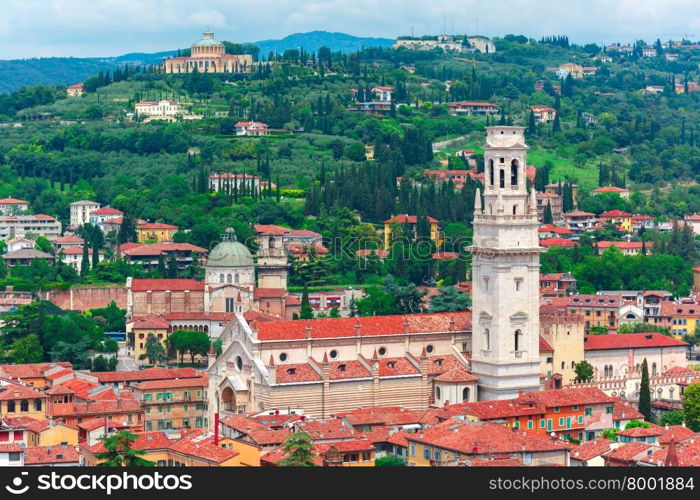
(547, 218)
(85, 262)
(672, 418)
(155, 352)
(645, 392)
(632, 424)
(119, 452)
(27, 350)
(298, 451)
(43, 245)
(449, 300)
(193, 342)
(584, 371)
(127, 230)
(691, 406)
(609, 434)
(306, 311)
(389, 461)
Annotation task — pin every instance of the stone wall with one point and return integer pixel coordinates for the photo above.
(82, 299)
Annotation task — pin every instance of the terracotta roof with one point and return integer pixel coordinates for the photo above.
(121, 405)
(624, 245)
(407, 219)
(609, 189)
(557, 242)
(368, 326)
(330, 429)
(16, 391)
(675, 433)
(639, 432)
(625, 411)
(687, 453)
(173, 383)
(156, 225)
(205, 316)
(91, 424)
(629, 452)
(494, 410)
(200, 444)
(145, 441)
(544, 345)
(457, 374)
(31, 370)
(615, 214)
(145, 374)
(381, 415)
(106, 211)
(152, 321)
(339, 370)
(133, 250)
(295, 372)
(389, 367)
(590, 449)
(13, 201)
(45, 455)
(567, 397)
(32, 424)
(361, 444)
(630, 341)
(484, 438)
(10, 448)
(269, 293)
(69, 238)
(142, 285)
(496, 462)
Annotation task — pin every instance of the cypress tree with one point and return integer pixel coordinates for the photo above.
(547, 217)
(531, 126)
(95, 256)
(85, 263)
(645, 393)
(306, 311)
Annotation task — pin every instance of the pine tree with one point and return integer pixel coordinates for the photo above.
(556, 125)
(306, 311)
(645, 393)
(95, 256)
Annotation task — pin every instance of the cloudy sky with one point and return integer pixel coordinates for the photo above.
(90, 28)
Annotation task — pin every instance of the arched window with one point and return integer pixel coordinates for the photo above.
(516, 340)
(502, 178)
(236, 278)
(24, 405)
(514, 173)
(573, 365)
(487, 339)
(229, 278)
(272, 243)
(653, 368)
(515, 209)
(563, 365)
(11, 407)
(437, 393)
(491, 178)
(221, 278)
(465, 394)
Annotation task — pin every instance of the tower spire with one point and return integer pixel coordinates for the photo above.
(477, 201)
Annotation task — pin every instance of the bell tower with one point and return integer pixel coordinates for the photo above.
(506, 269)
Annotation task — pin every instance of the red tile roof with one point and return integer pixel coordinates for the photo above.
(122, 405)
(45, 455)
(616, 214)
(590, 449)
(200, 444)
(494, 410)
(389, 367)
(135, 250)
(13, 201)
(457, 374)
(31, 370)
(630, 341)
(567, 397)
(484, 438)
(152, 321)
(154, 440)
(381, 415)
(331, 429)
(629, 452)
(157, 225)
(557, 242)
(687, 454)
(609, 189)
(9, 392)
(407, 219)
(295, 372)
(145, 374)
(624, 245)
(625, 411)
(32, 424)
(544, 345)
(339, 370)
(10, 448)
(368, 326)
(106, 211)
(142, 285)
(176, 383)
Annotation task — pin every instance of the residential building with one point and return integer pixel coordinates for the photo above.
(252, 128)
(555, 203)
(557, 243)
(227, 182)
(156, 232)
(455, 442)
(558, 187)
(618, 354)
(163, 108)
(17, 400)
(80, 212)
(411, 223)
(626, 247)
(590, 453)
(25, 257)
(557, 284)
(100, 215)
(543, 114)
(579, 221)
(60, 455)
(468, 108)
(13, 206)
(76, 90)
(68, 241)
(174, 404)
(73, 256)
(694, 222)
(149, 255)
(12, 226)
(623, 193)
(621, 219)
(19, 243)
(575, 70)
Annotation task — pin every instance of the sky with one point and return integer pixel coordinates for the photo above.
(94, 28)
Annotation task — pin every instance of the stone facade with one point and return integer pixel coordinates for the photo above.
(505, 354)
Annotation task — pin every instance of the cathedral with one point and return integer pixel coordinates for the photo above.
(326, 366)
(209, 56)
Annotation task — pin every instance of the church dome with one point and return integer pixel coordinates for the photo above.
(207, 41)
(230, 253)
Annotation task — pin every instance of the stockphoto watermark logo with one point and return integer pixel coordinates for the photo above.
(107, 483)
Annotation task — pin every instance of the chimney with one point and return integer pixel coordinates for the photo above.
(358, 327)
(308, 329)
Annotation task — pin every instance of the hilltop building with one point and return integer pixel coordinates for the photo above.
(209, 56)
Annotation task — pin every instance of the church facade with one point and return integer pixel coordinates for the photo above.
(208, 55)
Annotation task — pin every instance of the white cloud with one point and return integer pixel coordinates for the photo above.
(108, 27)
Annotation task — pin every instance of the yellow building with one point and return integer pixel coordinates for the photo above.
(156, 232)
(563, 333)
(174, 404)
(34, 374)
(248, 454)
(20, 401)
(195, 449)
(619, 218)
(139, 329)
(412, 222)
(44, 433)
(685, 318)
